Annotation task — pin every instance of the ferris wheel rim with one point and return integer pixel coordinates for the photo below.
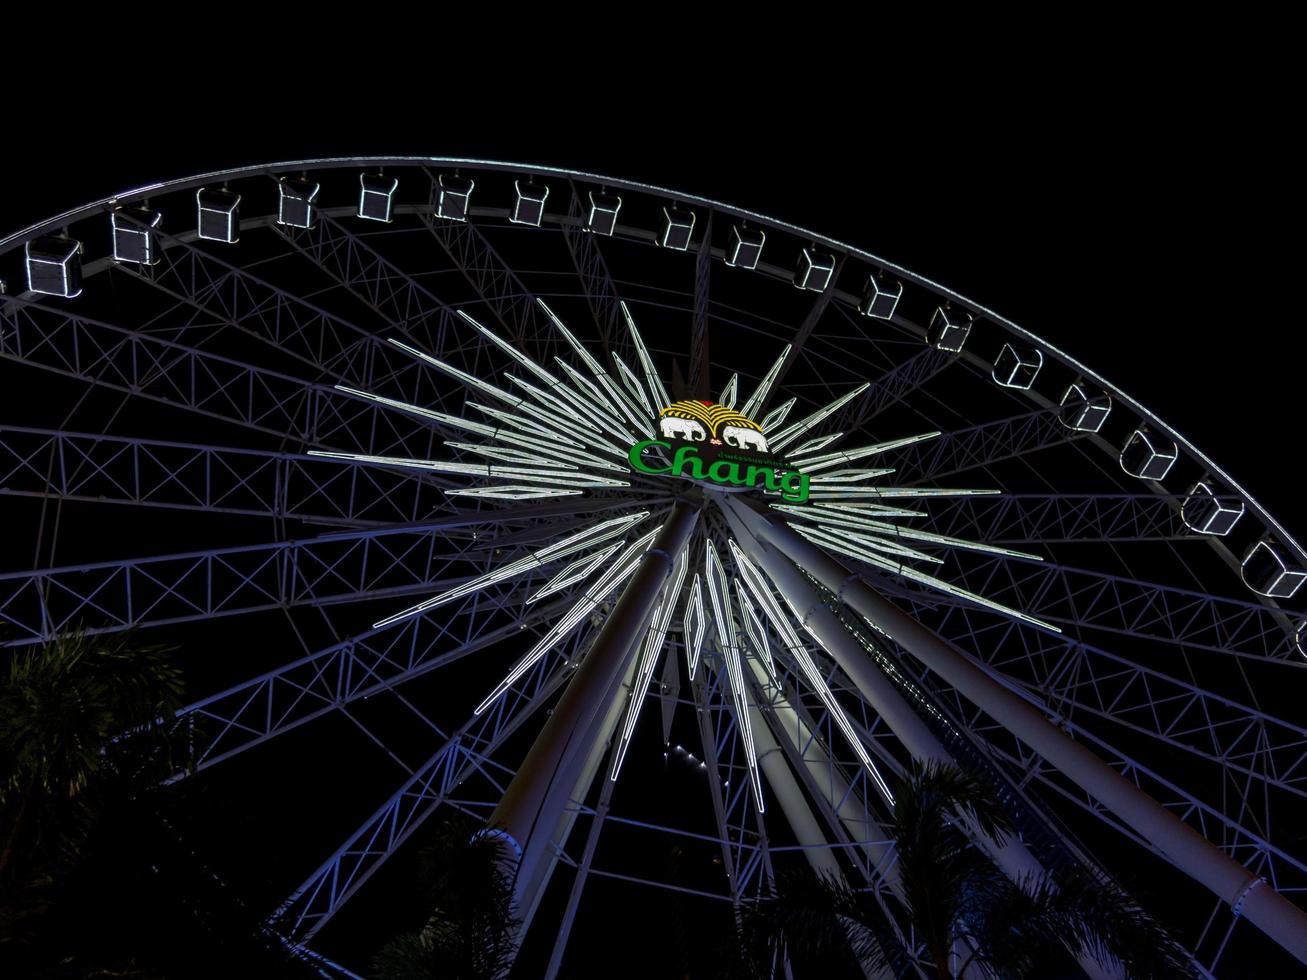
(341, 163)
(344, 163)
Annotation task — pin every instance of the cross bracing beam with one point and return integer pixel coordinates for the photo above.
(1238, 826)
(1226, 833)
(221, 479)
(327, 342)
(397, 298)
(1087, 599)
(1012, 518)
(250, 713)
(493, 279)
(980, 445)
(1067, 676)
(699, 379)
(891, 387)
(242, 300)
(347, 566)
(592, 270)
(219, 387)
(469, 751)
(808, 325)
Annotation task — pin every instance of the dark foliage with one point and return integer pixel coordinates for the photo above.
(956, 898)
(94, 879)
(471, 928)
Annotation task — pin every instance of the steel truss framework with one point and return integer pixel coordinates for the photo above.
(260, 432)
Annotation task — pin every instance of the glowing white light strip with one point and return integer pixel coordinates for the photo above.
(818, 684)
(757, 635)
(556, 420)
(569, 425)
(815, 463)
(837, 514)
(917, 492)
(594, 366)
(877, 544)
(517, 421)
(600, 399)
(812, 445)
(781, 439)
(626, 406)
(512, 352)
(641, 421)
(529, 474)
(574, 572)
(731, 392)
(848, 476)
(777, 415)
(510, 455)
(567, 405)
(696, 625)
(759, 398)
(559, 549)
(510, 491)
(556, 452)
(653, 645)
(614, 394)
(470, 380)
(656, 388)
(426, 413)
(551, 420)
(716, 576)
(757, 585)
(616, 574)
(857, 509)
(819, 493)
(725, 622)
(738, 695)
(895, 531)
(633, 385)
(754, 580)
(573, 417)
(924, 579)
(546, 440)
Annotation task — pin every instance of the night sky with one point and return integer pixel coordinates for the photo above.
(1137, 224)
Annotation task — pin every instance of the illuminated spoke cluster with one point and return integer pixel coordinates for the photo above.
(563, 431)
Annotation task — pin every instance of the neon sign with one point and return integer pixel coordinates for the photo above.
(716, 444)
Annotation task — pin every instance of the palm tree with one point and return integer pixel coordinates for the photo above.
(955, 897)
(61, 706)
(470, 932)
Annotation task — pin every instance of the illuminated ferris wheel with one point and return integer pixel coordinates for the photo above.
(635, 524)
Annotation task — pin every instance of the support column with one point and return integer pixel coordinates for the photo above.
(907, 726)
(600, 750)
(528, 812)
(1186, 849)
(840, 802)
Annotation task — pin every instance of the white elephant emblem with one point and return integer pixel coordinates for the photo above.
(689, 429)
(742, 438)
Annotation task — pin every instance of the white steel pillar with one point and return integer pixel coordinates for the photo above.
(529, 811)
(880, 692)
(1187, 850)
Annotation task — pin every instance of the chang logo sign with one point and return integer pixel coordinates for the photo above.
(714, 444)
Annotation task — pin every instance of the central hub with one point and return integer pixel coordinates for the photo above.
(717, 446)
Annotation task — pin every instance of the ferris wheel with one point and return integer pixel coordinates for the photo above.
(636, 524)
